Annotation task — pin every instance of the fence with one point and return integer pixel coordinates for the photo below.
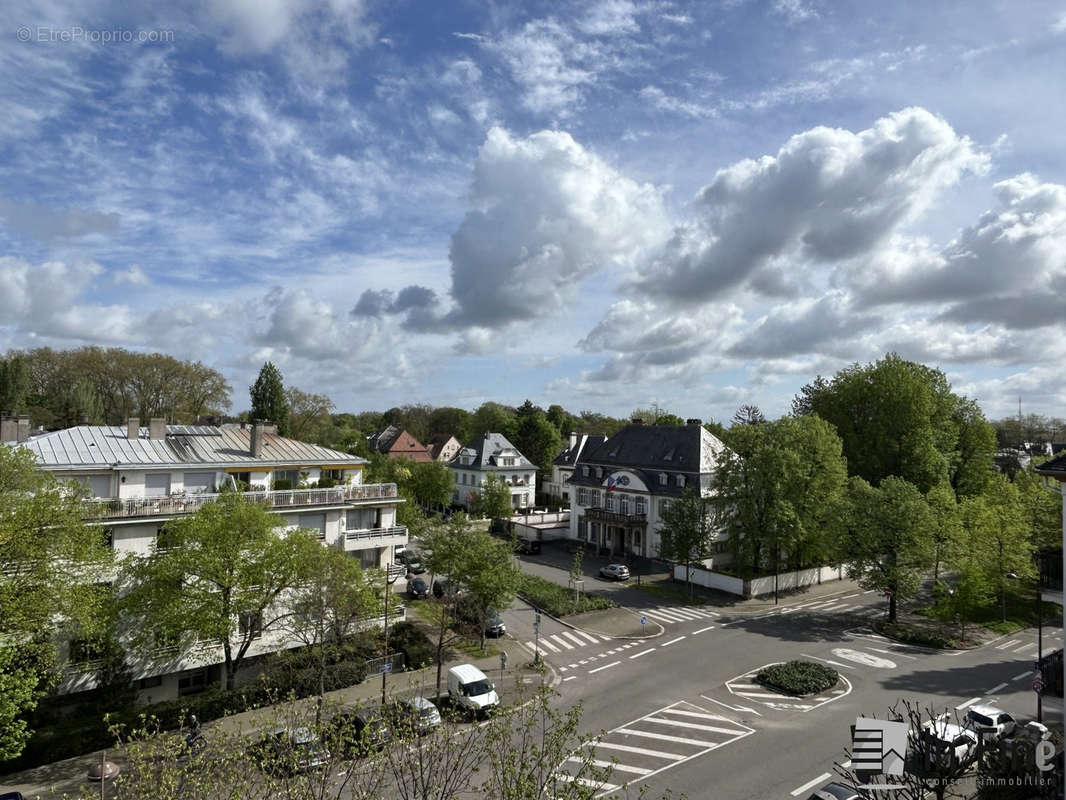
(758, 587)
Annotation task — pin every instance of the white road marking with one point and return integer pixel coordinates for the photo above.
(672, 641)
(1021, 675)
(845, 597)
(572, 677)
(563, 669)
(702, 630)
(591, 639)
(573, 638)
(613, 765)
(572, 666)
(746, 685)
(859, 657)
(665, 737)
(894, 653)
(545, 643)
(995, 689)
(968, 703)
(869, 591)
(694, 725)
(1005, 645)
(643, 653)
(664, 616)
(605, 666)
(625, 748)
(606, 787)
(559, 640)
(696, 714)
(810, 784)
(764, 694)
(1024, 647)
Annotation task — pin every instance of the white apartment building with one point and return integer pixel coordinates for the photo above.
(493, 454)
(621, 486)
(141, 478)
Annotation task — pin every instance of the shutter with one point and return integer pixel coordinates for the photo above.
(315, 522)
(157, 484)
(100, 485)
(199, 482)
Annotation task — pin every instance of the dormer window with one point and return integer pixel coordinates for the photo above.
(599, 472)
(662, 479)
(669, 455)
(585, 471)
(681, 480)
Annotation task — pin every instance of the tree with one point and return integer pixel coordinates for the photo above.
(493, 418)
(896, 417)
(1000, 538)
(537, 439)
(309, 414)
(492, 499)
(748, 415)
(563, 420)
(1041, 509)
(431, 484)
(46, 552)
(889, 539)
(449, 420)
(14, 384)
(219, 576)
(687, 533)
(945, 525)
(269, 400)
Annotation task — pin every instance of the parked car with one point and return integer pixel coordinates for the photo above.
(12, 796)
(835, 791)
(615, 572)
(412, 715)
(469, 689)
(942, 740)
(410, 559)
(494, 625)
(528, 546)
(417, 589)
(989, 722)
(359, 731)
(443, 586)
(289, 751)
(1022, 741)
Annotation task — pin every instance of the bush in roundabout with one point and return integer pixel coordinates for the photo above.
(798, 677)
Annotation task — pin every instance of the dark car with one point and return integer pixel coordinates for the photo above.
(289, 751)
(529, 546)
(494, 623)
(359, 731)
(12, 796)
(417, 589)
(411, 560)
(443, 586)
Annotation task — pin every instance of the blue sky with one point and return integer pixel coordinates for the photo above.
(600, 204)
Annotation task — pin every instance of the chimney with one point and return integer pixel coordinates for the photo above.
(8, 429)
(573, 440)
(133, 428)
(694, 421)
(22, 427)
(157, 428)
(259, 430)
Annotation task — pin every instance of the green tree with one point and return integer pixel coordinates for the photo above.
(1000, 537)
(537, 439)
(14, 383)
(1041, 509)
(896, 417)
(46, 553)
(450, 420)
(889, 540)
(492, 499)
(309, 415)
(493, 418)
(219, 576)
(945, 525)
(749, 415)
(269, 400)
(431, 484)
(687, 534)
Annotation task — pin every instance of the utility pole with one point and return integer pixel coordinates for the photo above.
(386, 665)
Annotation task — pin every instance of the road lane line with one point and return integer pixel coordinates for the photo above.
(1022, 675)
(1005, 645)
(810, 784)
(696, 714)
(605, 666)
(1024, 647)
(606, 787)
(625, 748)
(764, 694)
(968, 703)
(664, 737)
(572, 677)
(694, 725)
(892, 653)
(672, 641)
(613, 765)
(702, 630)
(642, 653)
(845, 597)
(995, 689)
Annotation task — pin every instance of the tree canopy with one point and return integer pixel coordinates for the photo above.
(269, 399)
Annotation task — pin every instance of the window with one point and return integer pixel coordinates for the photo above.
(664, 506)
(333, 475)
(662, 479)
(514, 480)
(582, 529)
(681, 480)
(250, 624)
(525, 500)
(316, 522)
(370, 558)
(642, 505)
(599, 472)
(165, 539)
(157, 484)
(582, 497)
(82, 651)
(585, 471)
(97, 485)
(609, 503)
(286, 479)
(361, 519)
(623, 503)
(150, 683)
(242, 479)
(192, 683)
(594, 498)
(199, 482)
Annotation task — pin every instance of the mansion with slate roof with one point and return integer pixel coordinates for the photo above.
(140, 478)
(620, 486)
(493, 454)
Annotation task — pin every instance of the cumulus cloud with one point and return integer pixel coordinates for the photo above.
(134, 276)
(545, 214)
(1009, 267)
(809, 326)
(827, 195)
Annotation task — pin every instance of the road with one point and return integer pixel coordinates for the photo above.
(682, 711)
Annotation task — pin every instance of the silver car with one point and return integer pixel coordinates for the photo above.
(616, 572)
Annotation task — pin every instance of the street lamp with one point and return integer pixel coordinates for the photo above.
(390, 579)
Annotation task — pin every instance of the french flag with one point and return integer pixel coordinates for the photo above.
(612, 482)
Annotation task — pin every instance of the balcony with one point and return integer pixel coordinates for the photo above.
(375, 533)
(122, 508)
(615, 517)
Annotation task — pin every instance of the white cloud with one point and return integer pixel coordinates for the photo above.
(1059, 25)
(826, 196)
(543, 58)
(795, 10)
(675, 105)
(134, 276)
(610, 18)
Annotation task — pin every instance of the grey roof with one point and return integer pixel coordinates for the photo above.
(384, 439)
(486, 452)
(106, 446)
(1055, 467)
(649, 450)
(585, 443)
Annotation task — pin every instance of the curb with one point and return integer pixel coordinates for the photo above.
(573, 627)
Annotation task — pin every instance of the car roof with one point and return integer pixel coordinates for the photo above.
(836, 791)
(467, 673)
(418, 702)
(988, 711)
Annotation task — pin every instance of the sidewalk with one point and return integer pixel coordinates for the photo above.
(513, 684)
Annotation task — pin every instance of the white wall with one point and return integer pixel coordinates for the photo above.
(710, 580)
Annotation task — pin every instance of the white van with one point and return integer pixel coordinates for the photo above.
(470, 689)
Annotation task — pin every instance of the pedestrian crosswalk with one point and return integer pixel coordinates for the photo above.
(564, 641)
(655, 742)
(671, 615)
(837, 605)
(1030, 647)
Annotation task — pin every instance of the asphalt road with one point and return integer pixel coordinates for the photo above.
(682, 711)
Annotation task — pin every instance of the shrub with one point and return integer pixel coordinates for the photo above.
(558, 600)
(920, 636)
(798, 677)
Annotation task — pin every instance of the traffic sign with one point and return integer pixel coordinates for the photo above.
(643, 620)
(386, 667)
(1038, 685)
(503, 660)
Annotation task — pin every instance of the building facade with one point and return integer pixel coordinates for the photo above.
(564, 464)
(140, 478)
(443, 447)
(622, 485)
(493, 454)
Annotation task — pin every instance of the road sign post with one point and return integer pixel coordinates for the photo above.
(643, 623)
(536, 637)
(503, 664)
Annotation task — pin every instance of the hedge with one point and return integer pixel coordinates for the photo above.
(798, 677)
(918, 636)
(558, 600)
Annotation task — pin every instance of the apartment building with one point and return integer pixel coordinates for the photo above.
(493, 454)
(564, 464)
(621, 486)
(139, 478)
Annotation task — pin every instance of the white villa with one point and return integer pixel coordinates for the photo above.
(493, 454)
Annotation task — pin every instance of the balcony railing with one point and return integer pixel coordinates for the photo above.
(603, 515)
(117, 508)
(376, 533)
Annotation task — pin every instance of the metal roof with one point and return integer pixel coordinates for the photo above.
(107, 446)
